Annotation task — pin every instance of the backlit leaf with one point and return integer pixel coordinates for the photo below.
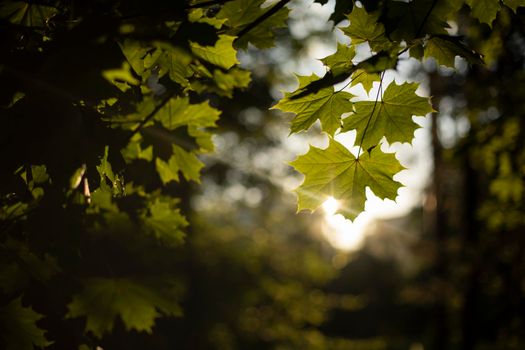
(222, 54)
(365, 27)
(390, 117)
(327, 105)
(335, 172)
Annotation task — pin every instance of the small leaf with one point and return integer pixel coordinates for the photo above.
(366, 27)
(341, 60)
(327, 105)
(364, 78)
(335, 172)
(222, 54)
(165, 223)
(188, 163)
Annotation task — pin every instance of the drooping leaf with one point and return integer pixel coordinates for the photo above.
(366, 27)
(445, 48)
(18, 327)
(327, 105)
(336, 172)
(135, 302)
(390, 117)
(222, 54)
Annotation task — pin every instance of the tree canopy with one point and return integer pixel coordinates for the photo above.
(108, 107)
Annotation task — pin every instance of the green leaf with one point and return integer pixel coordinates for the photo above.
(233, 79)
(484, 10)
(341, 60)
(134, 52)
(364, 78)
(189, 164)
(134, 150)
(199, 15)
(18, 327)
(179, 112)
(165, 222)
(240, 13)
(222, 54)
(26, 266)
(445, 48)
(366, 27)
(168, 171)
(180, 160)
(335, 172)
(514, 4)
(137, 304)
(391, 117)
(327, 105)
(27, 14)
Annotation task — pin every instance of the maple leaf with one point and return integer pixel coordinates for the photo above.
(137, 303)
(222, 54)
(335, 172)
(341, 60)
(484, 10)
(391, 117)
(241, 13)
(364, 78)
(366, 27)
(327, 105)
(18, 327)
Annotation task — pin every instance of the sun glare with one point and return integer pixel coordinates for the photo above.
(340, 232)
(330, 206)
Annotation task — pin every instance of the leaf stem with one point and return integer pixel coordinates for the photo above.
(151, 115)
(379, 90)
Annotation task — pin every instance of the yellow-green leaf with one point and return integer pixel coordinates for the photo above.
(222, 54)
(335, 172)
(390, 117)
(327, 105)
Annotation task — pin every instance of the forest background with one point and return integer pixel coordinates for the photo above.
(142, 207)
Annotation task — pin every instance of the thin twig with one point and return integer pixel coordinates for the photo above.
(379, 90)
(426, 17)
(151, 115)
(262, 18)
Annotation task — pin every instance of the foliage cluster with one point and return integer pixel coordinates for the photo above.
(106, 108)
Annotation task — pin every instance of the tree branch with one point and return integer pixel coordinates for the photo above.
(262, 18)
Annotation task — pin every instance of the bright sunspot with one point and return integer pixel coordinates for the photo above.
(330, 206)
(342, 233)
